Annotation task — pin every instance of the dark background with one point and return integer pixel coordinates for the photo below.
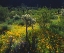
(32, 3)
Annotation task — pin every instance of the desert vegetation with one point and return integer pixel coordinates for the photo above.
(31, 30)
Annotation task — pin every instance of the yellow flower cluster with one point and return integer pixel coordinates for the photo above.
(16, 33)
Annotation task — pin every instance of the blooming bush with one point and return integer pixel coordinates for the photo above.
(17, 33)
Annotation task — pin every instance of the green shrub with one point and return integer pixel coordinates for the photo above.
(19, 22)
(11, 14)
(16, 17)
(3, 28)
(3, 13)
(1, 43)
(9, 21)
